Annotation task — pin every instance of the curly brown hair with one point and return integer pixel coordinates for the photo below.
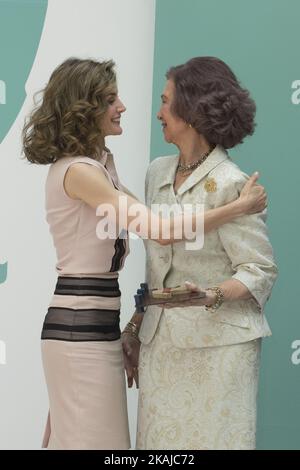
(210, 98)
(67, 121)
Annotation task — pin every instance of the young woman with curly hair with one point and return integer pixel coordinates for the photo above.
(81, 346)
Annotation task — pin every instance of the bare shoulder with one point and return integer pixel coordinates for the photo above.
(83, 176)
(83, 168)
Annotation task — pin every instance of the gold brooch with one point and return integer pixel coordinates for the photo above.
(210, 185)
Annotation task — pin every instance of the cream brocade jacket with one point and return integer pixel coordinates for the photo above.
(240, 250)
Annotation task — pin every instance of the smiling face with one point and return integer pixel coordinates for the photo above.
(111, 120)
(174, 128)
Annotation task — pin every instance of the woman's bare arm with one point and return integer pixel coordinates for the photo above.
(88, 183)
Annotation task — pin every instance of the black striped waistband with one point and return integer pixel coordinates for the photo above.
(100, 287)
(84, 324)
(68, 324)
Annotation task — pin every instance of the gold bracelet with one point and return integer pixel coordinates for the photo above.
(132, 329)
(219, 299)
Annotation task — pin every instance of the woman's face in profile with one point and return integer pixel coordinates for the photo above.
(111, 122)
(173, 126)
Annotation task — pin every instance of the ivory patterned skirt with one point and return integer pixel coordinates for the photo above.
(83, 366)
(197, 398)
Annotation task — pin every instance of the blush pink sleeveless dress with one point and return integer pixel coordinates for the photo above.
(81, 346)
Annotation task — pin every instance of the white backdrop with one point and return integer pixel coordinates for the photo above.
(100, 29)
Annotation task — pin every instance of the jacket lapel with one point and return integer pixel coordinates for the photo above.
(168, 173)
(217, 156)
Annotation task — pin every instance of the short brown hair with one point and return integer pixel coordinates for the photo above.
(210, 98)
(67, 122)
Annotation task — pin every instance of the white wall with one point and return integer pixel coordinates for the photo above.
(101, 29)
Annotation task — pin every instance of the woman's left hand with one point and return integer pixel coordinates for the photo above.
(209, 299)
(131, 350)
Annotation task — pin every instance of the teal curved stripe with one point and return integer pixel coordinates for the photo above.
(3, 272)
(21, 24)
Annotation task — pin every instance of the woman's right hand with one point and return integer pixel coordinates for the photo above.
(253, 197)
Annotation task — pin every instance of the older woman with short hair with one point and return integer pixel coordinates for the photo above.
(199, 362)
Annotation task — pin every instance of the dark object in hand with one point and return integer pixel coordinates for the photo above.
(178, 294)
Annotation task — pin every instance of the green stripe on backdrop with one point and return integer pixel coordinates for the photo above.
(259, 40)
(3, 273)
(21, 23)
